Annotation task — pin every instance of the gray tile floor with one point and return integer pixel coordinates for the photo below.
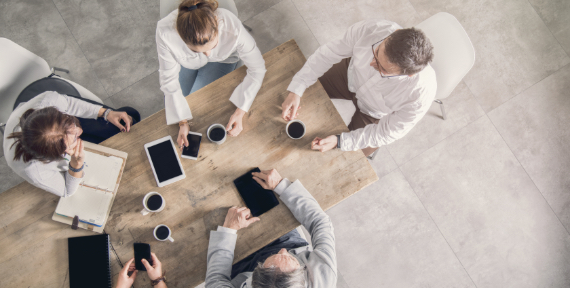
(479, 200)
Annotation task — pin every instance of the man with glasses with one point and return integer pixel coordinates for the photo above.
(384, 70)
(286, 262)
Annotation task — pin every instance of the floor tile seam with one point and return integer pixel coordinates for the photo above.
(304, 21)
(251, 17)
(82, 52)
(525, 90)
(529, 176)
(133, 84)
(557, 41)
(435, 144)
(437, 226)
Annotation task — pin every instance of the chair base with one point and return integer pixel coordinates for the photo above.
(442, 108)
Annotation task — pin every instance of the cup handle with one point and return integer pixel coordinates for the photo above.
(144, 211)
(170, 238)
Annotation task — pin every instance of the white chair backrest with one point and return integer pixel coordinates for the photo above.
(18, 68)
(454, 53)
(167, 6)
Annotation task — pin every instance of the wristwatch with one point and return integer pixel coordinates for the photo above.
(107, 113)
(338, 141)
(156, 281)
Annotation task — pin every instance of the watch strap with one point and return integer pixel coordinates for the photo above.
(107, 113)
(338, 141)
(158, 280)
(76, 170)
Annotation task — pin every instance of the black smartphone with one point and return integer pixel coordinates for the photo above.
(142, 251)
(256, 198)
(194, 140)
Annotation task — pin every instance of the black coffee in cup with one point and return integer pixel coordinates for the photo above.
(162, 232)
(217, 134)
(296, 130)
(154, 202)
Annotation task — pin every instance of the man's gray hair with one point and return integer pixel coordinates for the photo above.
(274, 278)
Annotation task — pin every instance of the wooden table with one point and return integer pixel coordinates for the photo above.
(34, 248)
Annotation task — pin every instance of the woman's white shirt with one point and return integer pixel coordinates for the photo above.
(53, 176)
(234, 43)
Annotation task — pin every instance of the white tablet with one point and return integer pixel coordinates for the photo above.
(164, 161)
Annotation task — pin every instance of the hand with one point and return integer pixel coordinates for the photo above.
(324, 145)
(77, 155)
(235, 125)
(115, 117)
(290, 106)
(268, 179)
(155, 271)
(124, 280)
(238, 218)
(183, 135)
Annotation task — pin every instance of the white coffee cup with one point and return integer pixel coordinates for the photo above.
(169, 233)
(216, 126)
(293, 121)
(146, 210)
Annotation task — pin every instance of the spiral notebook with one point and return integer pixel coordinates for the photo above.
(89, 261)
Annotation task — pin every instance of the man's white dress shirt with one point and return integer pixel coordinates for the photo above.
(234, 43)
(399, 102)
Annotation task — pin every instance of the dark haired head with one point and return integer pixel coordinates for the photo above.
(410, 49)
(196, 22)
(42, 135)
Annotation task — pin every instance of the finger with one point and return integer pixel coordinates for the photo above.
(125, 118)
(241, 209)
(155, 260)
(285, 112)
(126, 267)
(261, 182)
(180, 142)
(119, 125)
(252, 220)
(146, 265)
(294, 111)
(230, 125)
(134, 275)
(260, 175)
(185, 139)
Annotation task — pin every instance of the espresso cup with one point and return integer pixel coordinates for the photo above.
(217, 133)
(296, 132)
(148, 209)
(162, 233)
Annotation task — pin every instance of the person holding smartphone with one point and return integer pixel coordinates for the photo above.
(197, 44)
(154, 271)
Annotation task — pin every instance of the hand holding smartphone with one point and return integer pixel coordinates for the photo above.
(142, 251)
(194, 140)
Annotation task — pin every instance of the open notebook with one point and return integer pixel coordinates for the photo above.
(92, 200)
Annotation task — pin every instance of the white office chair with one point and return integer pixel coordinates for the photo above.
(19, 68)
(454, 53)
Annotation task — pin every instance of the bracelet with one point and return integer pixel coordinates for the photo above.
(156, 281)
(107, 113)
(182, 123)
(337, 141)
(76, 170)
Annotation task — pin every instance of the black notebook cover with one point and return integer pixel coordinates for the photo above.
(89, 264)
(256, 198)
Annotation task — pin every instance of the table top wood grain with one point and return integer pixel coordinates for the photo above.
(34, 248)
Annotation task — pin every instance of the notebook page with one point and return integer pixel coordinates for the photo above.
(102, 171)
(89, 204)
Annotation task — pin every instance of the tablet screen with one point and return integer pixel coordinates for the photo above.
(164, 160)
(257, 199)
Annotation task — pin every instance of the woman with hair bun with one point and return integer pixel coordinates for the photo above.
(197, 44)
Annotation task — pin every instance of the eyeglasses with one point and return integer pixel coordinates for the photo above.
(380, 68)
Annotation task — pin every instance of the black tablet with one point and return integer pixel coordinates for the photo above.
(256, 198)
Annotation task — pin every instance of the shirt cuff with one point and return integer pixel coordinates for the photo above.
(226, 230)
(282, 186)
(297, 88)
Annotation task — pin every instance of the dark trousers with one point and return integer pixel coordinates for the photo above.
(99, 130)
(288, 241)
(335, 83)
